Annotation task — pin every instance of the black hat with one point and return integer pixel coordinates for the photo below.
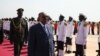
(70, 17)
(81, 16)
(20, 10)
(61, 16)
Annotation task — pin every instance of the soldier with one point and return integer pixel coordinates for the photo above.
(18, 32)
(69, 33)
(61, 35)
(1, 31)
(81, 36)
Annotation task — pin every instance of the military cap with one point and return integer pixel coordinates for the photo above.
(20, 10)
(82, 16)
(61, 16)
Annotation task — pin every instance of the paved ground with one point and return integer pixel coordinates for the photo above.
(92, 46)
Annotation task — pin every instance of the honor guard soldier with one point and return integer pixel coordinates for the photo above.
(61, 35)
(69, 33)
(18, 32)
(81, 36)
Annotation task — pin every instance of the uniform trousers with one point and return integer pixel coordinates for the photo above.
(17, 48)
(79, 50)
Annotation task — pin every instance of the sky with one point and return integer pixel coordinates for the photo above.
(53, 8)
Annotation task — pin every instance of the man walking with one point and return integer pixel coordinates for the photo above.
(18, 32)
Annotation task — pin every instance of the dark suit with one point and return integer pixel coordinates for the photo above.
(18, 34)
(38, 44)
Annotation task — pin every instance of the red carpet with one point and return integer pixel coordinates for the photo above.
(6, 49)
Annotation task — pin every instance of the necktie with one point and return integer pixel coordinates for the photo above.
(46, 30)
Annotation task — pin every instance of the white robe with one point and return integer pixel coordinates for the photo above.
(82, 34)
(69, 29)
(61, 30)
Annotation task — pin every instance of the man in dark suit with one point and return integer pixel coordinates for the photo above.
(18, 32)
(39, 40)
